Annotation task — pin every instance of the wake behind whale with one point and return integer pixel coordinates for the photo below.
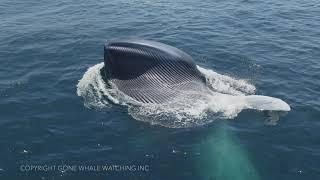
(161, 85)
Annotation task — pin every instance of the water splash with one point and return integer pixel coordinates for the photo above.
(226, 98)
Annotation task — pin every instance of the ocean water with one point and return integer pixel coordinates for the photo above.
(57, 116)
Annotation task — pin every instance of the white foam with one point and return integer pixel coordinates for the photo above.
(95, 91)
(225, 84)
(225, 99)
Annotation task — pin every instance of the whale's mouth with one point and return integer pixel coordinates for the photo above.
(226, 98)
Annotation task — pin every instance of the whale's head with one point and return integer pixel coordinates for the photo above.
(142, 68)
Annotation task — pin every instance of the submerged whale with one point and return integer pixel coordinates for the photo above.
(153, 72)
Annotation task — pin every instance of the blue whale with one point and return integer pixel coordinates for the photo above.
(153, 72)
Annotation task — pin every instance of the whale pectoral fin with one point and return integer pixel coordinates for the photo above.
(266, 103)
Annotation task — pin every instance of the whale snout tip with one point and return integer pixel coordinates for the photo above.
(283, 106)
(287, 108)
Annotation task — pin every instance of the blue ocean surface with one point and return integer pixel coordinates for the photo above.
(58, 121)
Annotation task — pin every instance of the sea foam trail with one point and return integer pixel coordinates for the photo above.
(225, 99)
